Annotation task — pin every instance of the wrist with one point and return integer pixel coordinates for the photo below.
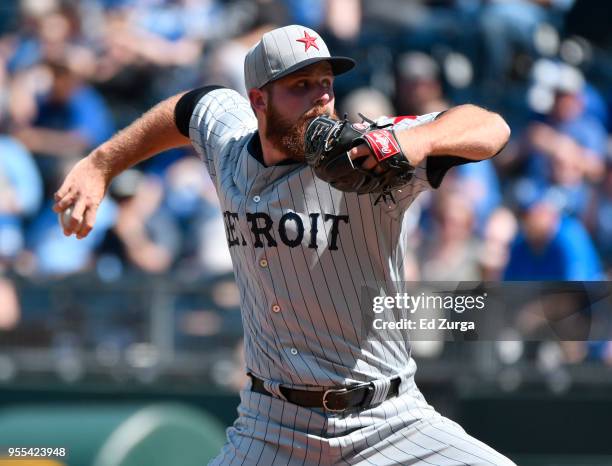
(100, 160)
(414, 146)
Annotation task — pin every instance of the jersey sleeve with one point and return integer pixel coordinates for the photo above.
(428, 174)
(220, 116)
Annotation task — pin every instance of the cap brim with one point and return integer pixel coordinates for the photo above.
(339, 65)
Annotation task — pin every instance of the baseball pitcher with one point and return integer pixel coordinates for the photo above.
(313, 208)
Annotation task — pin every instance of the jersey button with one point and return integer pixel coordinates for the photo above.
(256, 198)
(263, 262)
(276, 308)
(294, 351)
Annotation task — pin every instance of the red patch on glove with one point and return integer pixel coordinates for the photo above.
(383, 144)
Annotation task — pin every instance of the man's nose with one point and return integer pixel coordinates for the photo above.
(323, 97)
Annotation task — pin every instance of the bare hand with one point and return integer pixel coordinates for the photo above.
(84, 189)
(364, 157)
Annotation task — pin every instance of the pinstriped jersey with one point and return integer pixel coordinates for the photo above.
(301, 253)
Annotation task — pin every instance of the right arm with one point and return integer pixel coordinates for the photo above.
(87, 182)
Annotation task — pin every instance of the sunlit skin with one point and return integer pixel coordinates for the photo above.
(305, 93)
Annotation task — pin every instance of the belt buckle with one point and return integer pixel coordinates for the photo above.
(333, 390)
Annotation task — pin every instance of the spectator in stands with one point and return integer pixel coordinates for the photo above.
(47, 27)
(450, 251)
(551, 246)
(144, 236)
(69, 119)
(21, 191)
(498, 234)
(72, 116)
(192, 201)
(566, 148)
(508, 27)
(599, 218)
(369, 102)
(423, 24)
(480, 184)
(164, 34)
(20, 195)
(226, 62)
(418, 87)
(343, 20)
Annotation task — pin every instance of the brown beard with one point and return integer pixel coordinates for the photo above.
(288, 137)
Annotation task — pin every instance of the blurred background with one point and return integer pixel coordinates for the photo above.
(145, 310)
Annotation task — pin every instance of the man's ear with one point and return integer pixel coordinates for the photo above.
(258, 99)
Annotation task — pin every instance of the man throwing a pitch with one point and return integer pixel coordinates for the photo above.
(313, 211)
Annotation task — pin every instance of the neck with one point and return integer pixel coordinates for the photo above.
(271, 155)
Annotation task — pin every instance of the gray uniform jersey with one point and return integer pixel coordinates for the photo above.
(302, 251)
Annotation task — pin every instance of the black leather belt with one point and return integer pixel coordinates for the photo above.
(334, 400)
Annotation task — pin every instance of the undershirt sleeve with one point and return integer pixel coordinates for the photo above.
(185, 106)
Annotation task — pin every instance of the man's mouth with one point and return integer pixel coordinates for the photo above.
(315, 112)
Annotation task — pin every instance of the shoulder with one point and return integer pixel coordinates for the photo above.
(214, 99)
(221, 95)
(210, 106)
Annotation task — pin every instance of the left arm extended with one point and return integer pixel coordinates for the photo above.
(465, 131)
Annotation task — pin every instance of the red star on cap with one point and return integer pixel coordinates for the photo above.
(308, 41)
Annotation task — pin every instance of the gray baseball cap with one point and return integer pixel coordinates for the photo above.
(285, 50)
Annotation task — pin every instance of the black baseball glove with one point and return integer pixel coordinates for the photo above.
(328, 142)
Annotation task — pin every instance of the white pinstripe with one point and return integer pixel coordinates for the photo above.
(300, 310)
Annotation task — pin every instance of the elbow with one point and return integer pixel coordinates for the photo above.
(504, 130)
(501, 134)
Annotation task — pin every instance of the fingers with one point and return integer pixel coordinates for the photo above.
(64, 198)
(60, 193)
(70, 218)
(76, 217)
(364, 158)
(79, 219)
(360, 151)
(88, 222)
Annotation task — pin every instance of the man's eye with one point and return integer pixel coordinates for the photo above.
(301, 84)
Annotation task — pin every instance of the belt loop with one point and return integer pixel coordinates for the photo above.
(381, 389)
(274, 388)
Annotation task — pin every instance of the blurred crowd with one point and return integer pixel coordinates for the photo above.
(73, 72)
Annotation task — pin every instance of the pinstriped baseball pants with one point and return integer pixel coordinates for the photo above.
(404, 430)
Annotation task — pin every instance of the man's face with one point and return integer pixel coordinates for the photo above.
(63, 85)
(540, 223)
(567, 106)
(292, 103)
